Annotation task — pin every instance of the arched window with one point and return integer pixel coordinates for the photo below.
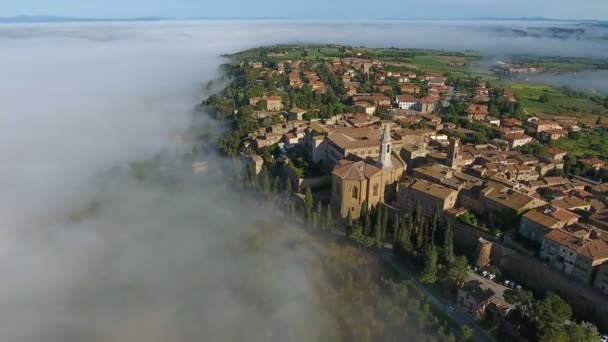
(376, 189)
(388, 148)
(355, 192)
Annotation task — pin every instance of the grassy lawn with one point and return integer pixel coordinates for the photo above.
(557, 103)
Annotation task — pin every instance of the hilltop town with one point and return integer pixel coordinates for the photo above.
(413, 155)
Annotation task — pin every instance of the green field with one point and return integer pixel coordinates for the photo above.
(588, 144)
(556, 103)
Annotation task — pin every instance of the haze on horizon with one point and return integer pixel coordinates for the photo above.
(313, 9)
(150, 264)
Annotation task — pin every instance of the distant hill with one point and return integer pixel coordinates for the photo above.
(58, 19)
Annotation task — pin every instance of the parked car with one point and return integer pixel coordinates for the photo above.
(485, 273)
(506, 283)
(512, 285)
(518, 287)
(491, 276)
(450, 308)
(604, 338)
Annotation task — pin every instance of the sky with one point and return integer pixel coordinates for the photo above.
(312, 9)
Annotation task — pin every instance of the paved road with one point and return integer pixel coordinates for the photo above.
(459, 317)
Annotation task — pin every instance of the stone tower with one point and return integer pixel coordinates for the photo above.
(483, 253)
(385, 149)
(453, 152)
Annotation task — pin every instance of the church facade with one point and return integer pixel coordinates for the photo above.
(357, 182)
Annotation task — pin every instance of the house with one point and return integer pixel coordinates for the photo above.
(379, 99)
(517, 139)
(575, 255)
(362, 120)
(508, 94)
(510, 122)
(296, 114)
(410, 89)
(594, 163)
(492, 121)
(290, 139)
(538, 222)
(554, 134)
(500, 199)
(555, 154)
(481, 300)
(545, 125)
(273, 103)
(256, 65)
(477, 112)
(365, 107)
(358, 181)
(432, 197)
(408, 102)
(255, 163)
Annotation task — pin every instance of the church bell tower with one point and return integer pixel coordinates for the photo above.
(385, 149)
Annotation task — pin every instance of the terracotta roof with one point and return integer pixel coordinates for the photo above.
(355, 168)
(297, 110)
(407, 98)
(550, 216)
(594, 249)
(432, 189)
(554, 150)
(478, 109)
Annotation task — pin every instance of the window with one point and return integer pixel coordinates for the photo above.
(376, 189)
(388, 148)
(355, 192)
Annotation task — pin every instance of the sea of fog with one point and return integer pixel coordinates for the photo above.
(79, 99)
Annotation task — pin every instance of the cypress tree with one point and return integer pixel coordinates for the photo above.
(397, 229)
(384, 223)
(378, 224)
(448, 243)
(320, 223)
(308, 205)
(367, 225)
(265, 181)
(328, 219)
(429, 274)
(288, 188)
(349, 220)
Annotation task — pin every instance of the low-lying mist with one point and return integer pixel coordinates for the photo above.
(89, 253)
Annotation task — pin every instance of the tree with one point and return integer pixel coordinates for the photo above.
(288, 188)
(265, 181)
(466, 334)
(378, 224)
(308, 205)
(319, 222)
(523, 299)
(551, 310)
(581, 333)
(328, 219)
(384, 223)
(457, 271)
(349, 221)
(429, 274)
(448, 244)
(275, 187)
(553, 333)
(397, 229)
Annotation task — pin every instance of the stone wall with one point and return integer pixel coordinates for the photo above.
(587, 302)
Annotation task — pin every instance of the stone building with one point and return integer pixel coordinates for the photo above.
(357, 182)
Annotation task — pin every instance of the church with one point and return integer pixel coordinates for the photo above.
(357, 181)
